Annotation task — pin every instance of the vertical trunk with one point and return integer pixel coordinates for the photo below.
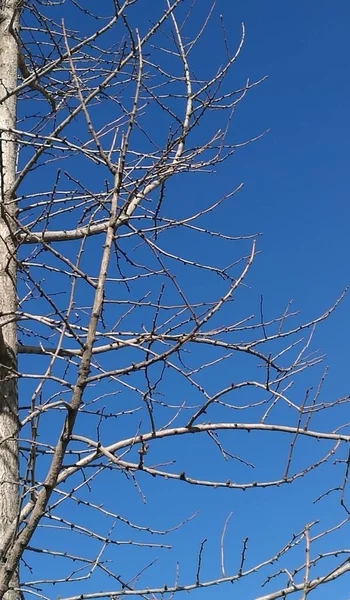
(8, 388)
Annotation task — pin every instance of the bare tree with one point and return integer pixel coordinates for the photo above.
(115, 354)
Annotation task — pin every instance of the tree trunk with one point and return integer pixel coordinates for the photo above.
(9, 476)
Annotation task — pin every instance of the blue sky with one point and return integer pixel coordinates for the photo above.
(296, 182)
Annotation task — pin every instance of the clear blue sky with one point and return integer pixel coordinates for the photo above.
(296, 193)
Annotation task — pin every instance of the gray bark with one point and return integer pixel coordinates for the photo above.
(9, 477)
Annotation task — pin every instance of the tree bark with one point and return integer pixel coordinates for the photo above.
(9, 473)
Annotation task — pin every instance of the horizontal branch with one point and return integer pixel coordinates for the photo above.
(282, 593)
(205, 427)
(63, 234)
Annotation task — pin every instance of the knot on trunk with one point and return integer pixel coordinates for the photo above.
(7, 355)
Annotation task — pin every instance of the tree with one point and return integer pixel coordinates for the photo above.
(102, 122)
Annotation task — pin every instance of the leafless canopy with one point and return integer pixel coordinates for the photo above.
(127, 328)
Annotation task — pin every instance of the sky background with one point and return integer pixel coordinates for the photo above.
(296, 178)
(296, 187)
(296, 191)
(297, 182)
